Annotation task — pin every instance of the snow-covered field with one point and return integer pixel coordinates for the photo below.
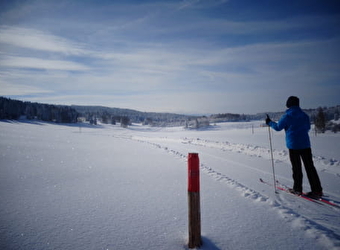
(105, 187)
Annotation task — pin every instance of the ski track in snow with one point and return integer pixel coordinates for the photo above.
(322, 163)
(251, 150)
(314, 229)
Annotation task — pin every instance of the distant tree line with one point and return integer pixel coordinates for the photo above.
(197, 123)
(326, 119)
(104, 117)
(323, 118)
(228, 117)
(14, 110)
(127, 116)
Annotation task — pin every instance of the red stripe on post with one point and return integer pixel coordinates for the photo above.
(193, 173)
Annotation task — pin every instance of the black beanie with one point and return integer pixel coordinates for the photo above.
(293, 101)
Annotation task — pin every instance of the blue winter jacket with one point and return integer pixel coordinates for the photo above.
(296, 124)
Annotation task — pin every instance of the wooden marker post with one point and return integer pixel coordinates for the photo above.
(194, 215)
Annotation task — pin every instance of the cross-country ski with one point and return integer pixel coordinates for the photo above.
(321, 200)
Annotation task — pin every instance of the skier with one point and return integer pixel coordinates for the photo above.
(297, 124)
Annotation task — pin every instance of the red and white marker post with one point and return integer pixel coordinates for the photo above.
(194, 215)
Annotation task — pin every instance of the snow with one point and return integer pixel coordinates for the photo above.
(106, 187)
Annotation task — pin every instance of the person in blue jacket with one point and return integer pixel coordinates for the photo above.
(296, 124)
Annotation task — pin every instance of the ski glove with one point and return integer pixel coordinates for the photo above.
(268, 120)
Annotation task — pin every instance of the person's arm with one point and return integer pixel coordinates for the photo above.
(281, 124)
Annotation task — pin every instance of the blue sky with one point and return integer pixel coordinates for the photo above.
(192, 56)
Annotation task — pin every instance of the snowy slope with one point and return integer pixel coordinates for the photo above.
(105, 187)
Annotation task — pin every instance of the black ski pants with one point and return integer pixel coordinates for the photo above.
(306, 155)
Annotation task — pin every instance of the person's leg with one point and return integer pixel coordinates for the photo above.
(312, 174)
(295, 160)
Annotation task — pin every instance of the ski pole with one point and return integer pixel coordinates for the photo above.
(272, 158)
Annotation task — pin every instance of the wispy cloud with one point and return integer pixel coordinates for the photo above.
(36, 40)
(201, 3)
(10, 89)
(38, 63)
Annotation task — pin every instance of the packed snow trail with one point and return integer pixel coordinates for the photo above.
(114, 188)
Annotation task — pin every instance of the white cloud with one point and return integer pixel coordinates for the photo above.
(36, 40)
(38, 63)
(8, 89)
(201, 3)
